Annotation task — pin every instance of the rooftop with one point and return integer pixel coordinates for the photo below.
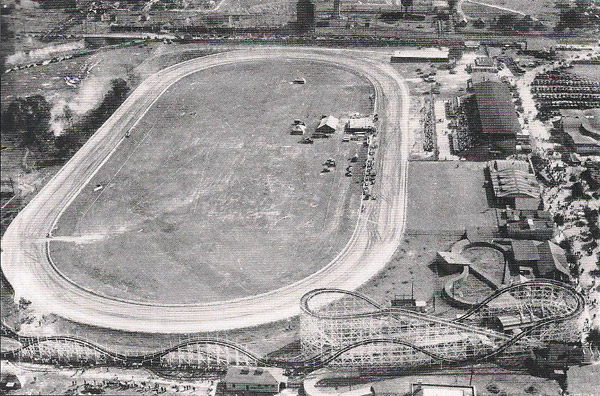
(248, 375)
(426, 53)
(497, 113)
(361, 123)
(525, 250)
(329, 121)
(513, 179)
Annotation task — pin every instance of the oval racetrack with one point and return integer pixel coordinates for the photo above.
(29, 269)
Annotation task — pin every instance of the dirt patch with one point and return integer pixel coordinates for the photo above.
(447, 196)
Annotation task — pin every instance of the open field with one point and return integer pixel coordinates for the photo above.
(447, 196)
(213, 195)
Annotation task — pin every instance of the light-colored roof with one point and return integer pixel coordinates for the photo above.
(329, 121)
(500, 165)
(299, 127)
(249, 375)
(425, 53)
(514, 183)
(454, 258)
(361, 123)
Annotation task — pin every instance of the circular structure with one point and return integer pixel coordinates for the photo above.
(213, 194)
(487, 255)
(27, 265)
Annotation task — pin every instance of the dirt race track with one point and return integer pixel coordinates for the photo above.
(30, 270)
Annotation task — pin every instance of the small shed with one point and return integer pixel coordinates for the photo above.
(298, 129)
(327, 126)
(9, 382)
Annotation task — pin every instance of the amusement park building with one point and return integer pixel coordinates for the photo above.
(492, 117)
(256, 380)
(514, 184)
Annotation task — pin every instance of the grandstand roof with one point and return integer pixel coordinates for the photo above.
(496, 109)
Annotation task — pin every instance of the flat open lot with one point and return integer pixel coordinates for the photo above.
(211, 198)
(447, 196)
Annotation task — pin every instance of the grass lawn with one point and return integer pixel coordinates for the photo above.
(447, 196)
(211, 198)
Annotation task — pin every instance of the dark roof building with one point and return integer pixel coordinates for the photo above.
(305, 15)
(547, 259)
(525, 224)
(492, 120)
(497, 114)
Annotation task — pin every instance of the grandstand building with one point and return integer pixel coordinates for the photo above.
(492, 121)
(305, 16)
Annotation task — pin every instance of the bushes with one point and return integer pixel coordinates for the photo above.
(28, 121)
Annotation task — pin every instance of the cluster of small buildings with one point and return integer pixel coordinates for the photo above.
(578, 131)
(358, 126)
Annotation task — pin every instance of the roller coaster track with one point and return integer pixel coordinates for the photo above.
(418, 353)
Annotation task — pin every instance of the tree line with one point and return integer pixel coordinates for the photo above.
(28, 121)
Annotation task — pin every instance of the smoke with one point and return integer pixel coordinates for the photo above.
(60, 117)
(89, 95)
(35, 55)
(91, 92)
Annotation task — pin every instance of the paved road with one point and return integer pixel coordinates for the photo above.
(28, 267)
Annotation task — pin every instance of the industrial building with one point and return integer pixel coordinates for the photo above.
(540, 259)
(514, 185)
(421, 55)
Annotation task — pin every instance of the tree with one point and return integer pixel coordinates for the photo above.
(29, 121)
(594, 337)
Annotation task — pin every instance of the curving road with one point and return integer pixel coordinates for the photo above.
(29, 268)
